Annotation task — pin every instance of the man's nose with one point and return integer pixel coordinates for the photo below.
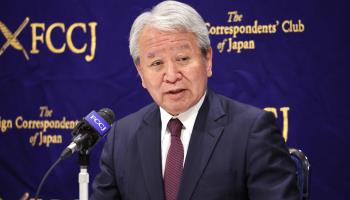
(172, 73)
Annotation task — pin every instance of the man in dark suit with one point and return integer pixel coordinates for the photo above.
(191, 143)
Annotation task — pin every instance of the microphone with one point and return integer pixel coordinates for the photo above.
(85, 135)
(89, 131)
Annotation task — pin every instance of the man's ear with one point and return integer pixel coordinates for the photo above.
(209, 60)
(139, 71)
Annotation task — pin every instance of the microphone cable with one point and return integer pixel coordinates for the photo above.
(45, 177)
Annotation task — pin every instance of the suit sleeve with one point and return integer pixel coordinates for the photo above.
(105, 185)
(271, 173)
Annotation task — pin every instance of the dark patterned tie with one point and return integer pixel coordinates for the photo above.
(174, 161)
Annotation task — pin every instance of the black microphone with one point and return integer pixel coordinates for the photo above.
(89, 130)
(85, 135)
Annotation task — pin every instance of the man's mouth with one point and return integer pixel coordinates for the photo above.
(177, 91)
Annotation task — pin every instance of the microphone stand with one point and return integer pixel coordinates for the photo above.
(83, 175)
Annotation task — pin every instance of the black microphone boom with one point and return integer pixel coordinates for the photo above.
(89, 130)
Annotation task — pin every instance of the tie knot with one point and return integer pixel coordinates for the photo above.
(174, 127)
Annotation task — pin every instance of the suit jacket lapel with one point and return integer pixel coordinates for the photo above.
(206, 132)
(149, 146)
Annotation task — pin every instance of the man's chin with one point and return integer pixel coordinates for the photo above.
(174, 110)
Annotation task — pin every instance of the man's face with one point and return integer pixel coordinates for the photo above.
(172, 68)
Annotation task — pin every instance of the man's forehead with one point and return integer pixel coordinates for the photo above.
(151, 53)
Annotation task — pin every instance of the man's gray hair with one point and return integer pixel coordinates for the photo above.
(170, 16)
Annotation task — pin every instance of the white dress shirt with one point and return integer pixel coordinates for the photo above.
(187, 119)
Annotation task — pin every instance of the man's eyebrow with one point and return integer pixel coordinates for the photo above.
(151, 55)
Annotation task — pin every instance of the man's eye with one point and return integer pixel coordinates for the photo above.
(156, 63)
(184, 60)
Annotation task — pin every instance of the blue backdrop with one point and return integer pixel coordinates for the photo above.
(61, 59)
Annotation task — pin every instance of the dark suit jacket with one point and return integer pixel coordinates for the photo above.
(235, 152)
